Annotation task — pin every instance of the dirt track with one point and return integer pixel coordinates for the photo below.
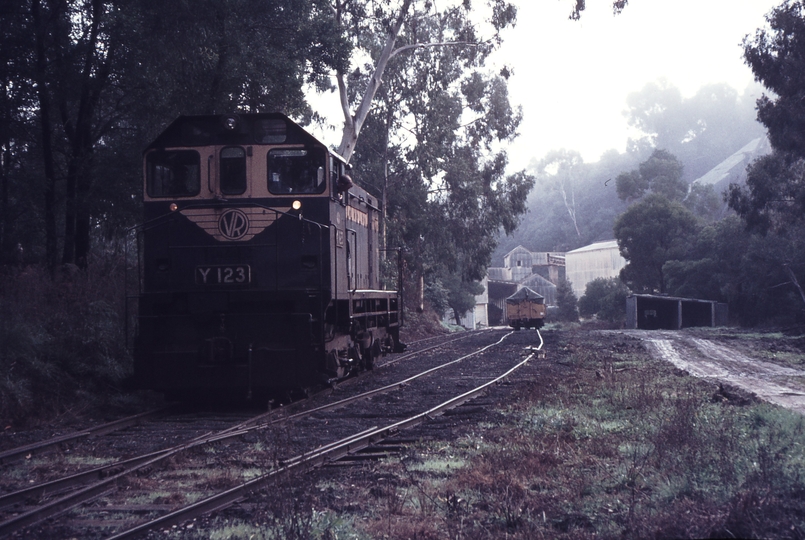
(721, 362)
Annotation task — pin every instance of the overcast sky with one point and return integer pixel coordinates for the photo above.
(572, 77)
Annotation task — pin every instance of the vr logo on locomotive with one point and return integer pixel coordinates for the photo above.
(233, 224)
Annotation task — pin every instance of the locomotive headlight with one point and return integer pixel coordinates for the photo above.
(296, 205)
(173, 207)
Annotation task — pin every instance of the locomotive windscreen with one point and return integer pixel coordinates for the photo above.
(233, 170)
(296, 170)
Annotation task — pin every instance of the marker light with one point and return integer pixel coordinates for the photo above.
(230, 122)
(173, 207)
(296, 205)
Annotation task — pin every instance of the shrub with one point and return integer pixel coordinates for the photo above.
(62, 342)
(604, 298)
(567, 302)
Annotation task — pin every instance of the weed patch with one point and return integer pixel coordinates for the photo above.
(606, 442)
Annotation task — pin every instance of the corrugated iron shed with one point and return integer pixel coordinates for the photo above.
(653, 312)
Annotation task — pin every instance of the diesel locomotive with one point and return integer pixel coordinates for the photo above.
(259, 268)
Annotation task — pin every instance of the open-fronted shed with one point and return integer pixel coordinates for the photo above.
(652, 312)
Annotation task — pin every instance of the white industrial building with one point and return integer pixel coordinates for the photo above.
(538, 270)
(521, 263)
(598, 260)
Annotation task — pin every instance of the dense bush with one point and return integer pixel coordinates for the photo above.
(605, 299)
(567, 303)
(62, 342)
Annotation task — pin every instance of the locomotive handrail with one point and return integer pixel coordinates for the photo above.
(400, 281)
(352, 251)
(208, 203)
(364, 201)
(161, 219)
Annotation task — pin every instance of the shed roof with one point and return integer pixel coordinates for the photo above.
(536, 280)
(673, 298)
(735, 165)
(609, 244)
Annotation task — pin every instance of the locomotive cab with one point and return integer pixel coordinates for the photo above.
(258, 261)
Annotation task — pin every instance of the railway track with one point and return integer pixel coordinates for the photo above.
(179, 482)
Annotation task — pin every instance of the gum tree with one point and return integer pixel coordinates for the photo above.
(650, 233)
(431, 150)
(773, 200)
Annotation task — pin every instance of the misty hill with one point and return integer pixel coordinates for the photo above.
(589, 189)
(713, 134)
(733, 169)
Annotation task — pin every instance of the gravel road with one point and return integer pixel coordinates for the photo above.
(726, 364)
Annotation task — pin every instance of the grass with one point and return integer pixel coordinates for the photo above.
(610, 444)
(62, 342)
(599, 440)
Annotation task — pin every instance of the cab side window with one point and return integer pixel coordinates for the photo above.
(173, 173)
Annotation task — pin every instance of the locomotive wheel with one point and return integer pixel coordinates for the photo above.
(377, 349)
(368, 359)
(355, 356)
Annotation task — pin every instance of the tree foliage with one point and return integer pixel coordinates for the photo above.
(776, 55)
(430, 146)
(581, 5)
(461, 297)
(774, 195)
(389, 29)
(773, 201)
(563, 168)
(604, 298)
(661, 173)
(649, 234)
(566, 302)
(86, 84)
(700, 131)
(548, 225)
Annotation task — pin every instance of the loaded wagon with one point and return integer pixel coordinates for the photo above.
(525, 309)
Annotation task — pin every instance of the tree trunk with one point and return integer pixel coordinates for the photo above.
(46, 132)
(420, 293)
(354, 123)
(94, 74)
(795, 281)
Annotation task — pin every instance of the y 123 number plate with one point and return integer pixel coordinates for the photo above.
(223, 275)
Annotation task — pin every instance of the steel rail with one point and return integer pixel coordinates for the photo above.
(420, 351)
(124, 468)
(331, 452)
(388, 387)
(16, 453)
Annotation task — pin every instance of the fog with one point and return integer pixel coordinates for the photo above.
(572, 78)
